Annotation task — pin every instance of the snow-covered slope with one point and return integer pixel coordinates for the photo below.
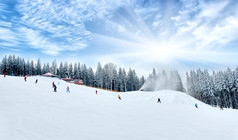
(30, 111)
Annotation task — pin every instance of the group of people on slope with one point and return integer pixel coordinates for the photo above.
(118, 96)
(55, 88)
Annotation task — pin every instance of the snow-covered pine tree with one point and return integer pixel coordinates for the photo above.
(99, 75)
(44, 69)
(79, 71)
(91, 77)
(66, 70)
(47, 68)
(32, 68)
(71, 70)
(130, 80)
(38, 67)
(124, 79)
(61, 70)
(4, 64)
(54, 67)
(27, 67)
(120, 80)
(76, 73)
(84, 74)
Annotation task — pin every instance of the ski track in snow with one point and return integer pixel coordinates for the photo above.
(30, 111)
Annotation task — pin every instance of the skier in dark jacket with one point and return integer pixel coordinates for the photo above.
(55, 88)
(36, 81)
(158, 100)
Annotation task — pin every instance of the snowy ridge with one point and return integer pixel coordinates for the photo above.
(34, 111)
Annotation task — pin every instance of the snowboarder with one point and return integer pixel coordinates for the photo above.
(158, 100)
(67, 89)
(55, 88)
(119, 97)
(196, 105)
(25, 78)
(96, 92)
(36, 81)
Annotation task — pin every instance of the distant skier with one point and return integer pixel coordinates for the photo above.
(55, 88)
(221, 107)
(119, 97)
(5, 74)
(196, 105)
(96, 92)
(67, 89)
(25, 78)
(158, 100)
(36, 81)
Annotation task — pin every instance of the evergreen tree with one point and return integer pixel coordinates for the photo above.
(66, 70)
(71, 70)
(76, 73)
(54, 67)
(99, 75)
(91, 77)
(120, 80)
(61, 70)
(44, 69)
(79, 71)
(38, 67)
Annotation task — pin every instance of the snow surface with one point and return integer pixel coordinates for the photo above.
(30, 111)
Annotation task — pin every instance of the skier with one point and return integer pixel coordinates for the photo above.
(119, 97)
(196, 105)
(96, 92)
(158, 100)
(55, 88)
(53, 84)
(221, 107)
(25, 78)
(36, 81)
(5, 74)
(67, 89)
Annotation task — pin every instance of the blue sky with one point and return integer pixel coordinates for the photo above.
(141, 34)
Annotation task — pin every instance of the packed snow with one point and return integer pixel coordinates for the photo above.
(33, 111)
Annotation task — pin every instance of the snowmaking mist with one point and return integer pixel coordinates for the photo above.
(162, 80)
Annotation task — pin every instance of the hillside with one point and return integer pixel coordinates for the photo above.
(30, 111)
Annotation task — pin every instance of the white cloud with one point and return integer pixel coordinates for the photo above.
(219, 35)
(212, 9)
(208, 22)
(64, 20)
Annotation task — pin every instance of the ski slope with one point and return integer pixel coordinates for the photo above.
(30, 111)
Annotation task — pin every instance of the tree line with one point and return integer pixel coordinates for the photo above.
(216, 89)
(107, 76)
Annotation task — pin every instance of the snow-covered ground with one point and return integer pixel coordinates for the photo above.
(30, 111)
